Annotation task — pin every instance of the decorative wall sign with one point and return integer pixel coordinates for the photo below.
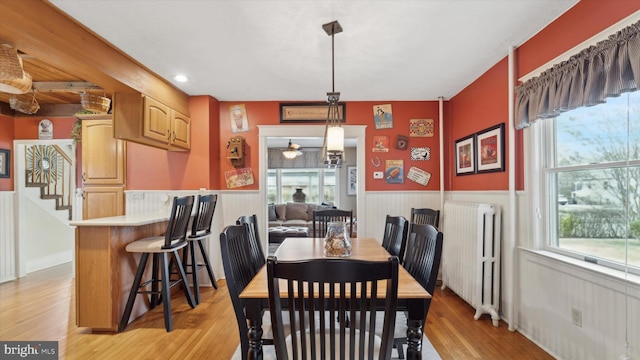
(419, 176)
(420, 153)
(5, 161)
(238, 178)
(239, 122)
(394, 172)
(309, 112)
(380, 144)
(45, 129)
(490, 149)
(383, 116)
(421, 127)
(375, 161)
(464, 155)
(402, 142)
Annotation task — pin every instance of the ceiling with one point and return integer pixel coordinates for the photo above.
(255, 50)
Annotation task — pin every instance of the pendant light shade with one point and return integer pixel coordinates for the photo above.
(335, 139)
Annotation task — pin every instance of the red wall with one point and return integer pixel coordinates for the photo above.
(484, 103)
(358, 113)
(149, 168)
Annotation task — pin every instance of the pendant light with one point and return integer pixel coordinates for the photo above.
(333, 145)
(292, 151)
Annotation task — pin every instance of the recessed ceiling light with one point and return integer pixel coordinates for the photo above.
(181, 78)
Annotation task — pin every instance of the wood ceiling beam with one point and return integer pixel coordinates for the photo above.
(39, 29)
(64, 86)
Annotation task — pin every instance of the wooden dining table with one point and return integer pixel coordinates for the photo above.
(256, 293)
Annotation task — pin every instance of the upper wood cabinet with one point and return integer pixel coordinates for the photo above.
(144, 120)
(103, 156)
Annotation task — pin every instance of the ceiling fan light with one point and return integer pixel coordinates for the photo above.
(291, 154)
(292, 151)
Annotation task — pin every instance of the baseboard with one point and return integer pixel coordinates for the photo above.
(48, 261)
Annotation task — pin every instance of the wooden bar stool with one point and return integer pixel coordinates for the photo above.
(162, 247)
(200, 230)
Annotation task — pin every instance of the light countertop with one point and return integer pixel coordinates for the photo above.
(125, 220)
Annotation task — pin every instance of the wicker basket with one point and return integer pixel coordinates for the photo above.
(25, 103)
(95, 103)
(13, 79)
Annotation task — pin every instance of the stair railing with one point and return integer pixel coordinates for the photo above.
(50, 169)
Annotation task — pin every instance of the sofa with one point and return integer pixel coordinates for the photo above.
(294, 214)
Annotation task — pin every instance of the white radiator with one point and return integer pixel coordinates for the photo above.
(471, 255)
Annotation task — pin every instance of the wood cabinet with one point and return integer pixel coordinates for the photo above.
(103, 156)
(144, 120)
(102, 201)
(103, 168)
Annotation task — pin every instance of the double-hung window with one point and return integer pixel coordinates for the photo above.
(319, 185)
(590, 179)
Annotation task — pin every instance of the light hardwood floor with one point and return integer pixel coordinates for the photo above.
(41, 306)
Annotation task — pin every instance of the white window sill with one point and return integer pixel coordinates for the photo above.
(589, 269)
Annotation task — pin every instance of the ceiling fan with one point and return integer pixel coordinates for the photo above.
(292, 151)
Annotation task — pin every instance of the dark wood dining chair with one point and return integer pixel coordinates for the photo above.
(162, 248)
(424, 216)
(350, 289)
(321, 219)
(395, 236)
(236, 242)
(422, 261)
(256, 252)
(200, 231)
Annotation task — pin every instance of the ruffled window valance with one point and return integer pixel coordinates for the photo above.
(607, 69)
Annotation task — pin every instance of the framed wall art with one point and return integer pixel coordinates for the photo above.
(490, 149)
(352, 180)
(464, 155)
(309, 112)
(5, 158)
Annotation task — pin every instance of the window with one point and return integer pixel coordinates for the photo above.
(319, 185)
(591, 173)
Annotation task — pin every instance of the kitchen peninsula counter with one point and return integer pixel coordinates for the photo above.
(105, 270)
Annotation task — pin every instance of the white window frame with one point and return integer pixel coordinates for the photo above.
(541, 137)
(321, 176)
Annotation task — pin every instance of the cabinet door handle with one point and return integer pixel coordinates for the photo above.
(168, 135)
(83, 195)
(174, 137)
(84, 176)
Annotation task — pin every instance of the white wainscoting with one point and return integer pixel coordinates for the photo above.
(550, 289)
(7, 236)
(141, 201)
(395, 203)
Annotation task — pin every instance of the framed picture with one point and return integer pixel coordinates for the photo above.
(309, 112)
(239, 121)
(464, 155)
(4, 163)
(352, 180)
(490, 149)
